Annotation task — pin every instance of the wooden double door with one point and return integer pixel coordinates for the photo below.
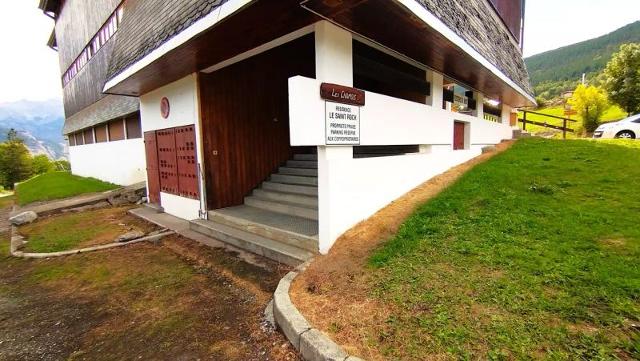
(172, 165)
(245, 119)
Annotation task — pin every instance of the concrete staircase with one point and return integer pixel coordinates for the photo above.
(279, 220)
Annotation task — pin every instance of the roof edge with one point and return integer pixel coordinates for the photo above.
(222, 12)
(435, 23)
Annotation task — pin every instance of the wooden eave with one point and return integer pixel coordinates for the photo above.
(53, 42)
(391, 25)
(50, 7)
(231, 37)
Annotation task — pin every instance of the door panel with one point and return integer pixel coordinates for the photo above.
(245, 120)
(458, 135)
(187, 165)
(167, 160)
(153, 174)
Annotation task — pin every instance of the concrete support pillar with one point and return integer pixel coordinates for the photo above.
(479, 98)
(437, 87)
(334, 64)
(506, 114)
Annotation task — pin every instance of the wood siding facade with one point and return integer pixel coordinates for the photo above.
(511, 13)
(245, 119)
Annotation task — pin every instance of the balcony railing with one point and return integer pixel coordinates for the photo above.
(492, 118)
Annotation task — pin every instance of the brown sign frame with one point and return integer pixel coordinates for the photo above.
(342, 94)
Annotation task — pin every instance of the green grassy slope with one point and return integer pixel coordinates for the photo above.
(58, 185)
(531, 255)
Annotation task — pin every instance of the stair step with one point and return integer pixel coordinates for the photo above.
(251, 242)
(291, 188)
(309, 243)
(282, 207)
(307, 172)
(305, 157)
(303, 200)
(302, 164)
(294, 179)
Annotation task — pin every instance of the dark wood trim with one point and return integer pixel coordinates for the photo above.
(342, 94)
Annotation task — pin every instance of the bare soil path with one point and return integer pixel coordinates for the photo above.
(174, 301)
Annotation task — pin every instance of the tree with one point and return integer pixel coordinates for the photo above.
(590, 102)
(42, 164)
(622, 78)
(62, 165)
(15, 160)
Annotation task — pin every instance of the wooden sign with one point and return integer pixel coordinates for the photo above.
(569, 112)
(342, 94)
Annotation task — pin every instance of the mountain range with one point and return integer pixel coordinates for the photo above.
(38, 123)
(558, 70)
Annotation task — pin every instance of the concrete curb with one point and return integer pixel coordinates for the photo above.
(312, 343)
(15, 238)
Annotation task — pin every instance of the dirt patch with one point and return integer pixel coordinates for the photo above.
(82, 229)
(338, 284)
(175, 301)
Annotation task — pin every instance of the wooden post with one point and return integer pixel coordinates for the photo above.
(564, 129)
(524, 120)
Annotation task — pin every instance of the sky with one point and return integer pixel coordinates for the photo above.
(550, 24)
(30, 70)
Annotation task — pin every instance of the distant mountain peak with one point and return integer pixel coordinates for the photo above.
(39, 123)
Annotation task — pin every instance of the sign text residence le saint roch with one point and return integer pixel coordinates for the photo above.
(342, 114)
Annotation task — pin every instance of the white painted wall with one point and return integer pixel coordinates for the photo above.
(360, 187)
(384, 120)
(350, 190)
(121, 162)
(183, 96)
(185, 208)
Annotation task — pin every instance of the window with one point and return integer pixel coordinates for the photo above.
(381, 73)
(88, 136)
(79, 138)
(371, 151)
(134, 129)
(457, 98)
(102, 36)
(101, 133)
(116, 130)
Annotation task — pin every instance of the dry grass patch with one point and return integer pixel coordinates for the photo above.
(176, 301)
(68, 231)
(339, 284)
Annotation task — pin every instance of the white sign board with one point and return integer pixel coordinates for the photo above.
(342, 124)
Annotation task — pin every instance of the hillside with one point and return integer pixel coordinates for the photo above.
(553, 71)
(39, 124)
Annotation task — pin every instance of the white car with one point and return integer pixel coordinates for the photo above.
(628, 128)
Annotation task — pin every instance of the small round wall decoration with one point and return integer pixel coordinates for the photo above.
(165, 109)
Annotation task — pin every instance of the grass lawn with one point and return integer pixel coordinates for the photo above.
(612, 114)
(530, 255)
(78, 230)
(57, 185)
